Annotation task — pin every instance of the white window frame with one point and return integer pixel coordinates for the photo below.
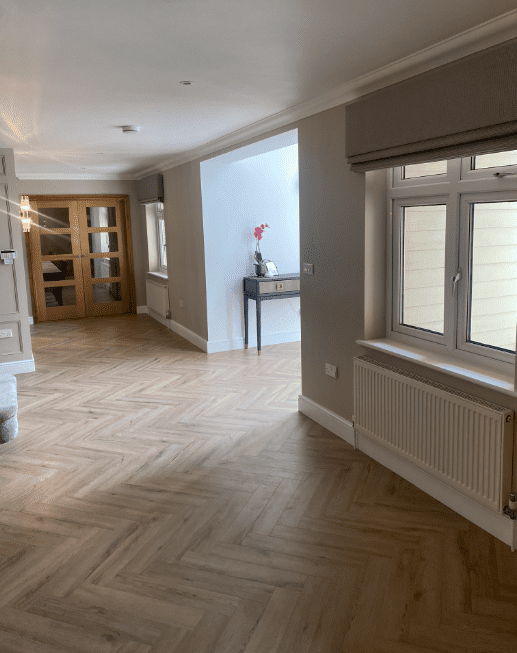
(157, 262)
(469, 172)
(467, 200)
(458, 189)
(398, 180)
(161, 245)
(397, 274)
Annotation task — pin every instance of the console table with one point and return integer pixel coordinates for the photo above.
(262, 288)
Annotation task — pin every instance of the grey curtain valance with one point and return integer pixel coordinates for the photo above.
(463, 108)
(150, 189)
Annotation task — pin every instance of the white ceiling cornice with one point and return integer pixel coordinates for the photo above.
(486, 35)
(62, 176)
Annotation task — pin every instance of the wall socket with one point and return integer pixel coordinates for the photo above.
(308, 268)
(181, 303)
(331, 370)
(6, 333)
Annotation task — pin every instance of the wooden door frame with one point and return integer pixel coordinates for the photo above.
(126, 218)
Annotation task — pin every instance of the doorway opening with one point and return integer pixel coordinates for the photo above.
(252, 186)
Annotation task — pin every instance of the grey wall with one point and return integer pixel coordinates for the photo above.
(332, 206)
(332, 235)
(343, 233)
(183, 216)
(13, 297)
(100, 187)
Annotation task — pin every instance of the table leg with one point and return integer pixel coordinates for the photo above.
(257, 302)
(245, 321)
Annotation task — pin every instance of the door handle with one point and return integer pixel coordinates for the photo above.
(455, 280)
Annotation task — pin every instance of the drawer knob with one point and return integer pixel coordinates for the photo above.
(279, 286)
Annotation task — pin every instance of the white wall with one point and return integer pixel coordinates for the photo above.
(239, 195)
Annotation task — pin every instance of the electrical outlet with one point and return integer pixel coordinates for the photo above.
(6, 333)
(308, 268)
(331, 370)
(167, 315)
(181, 303)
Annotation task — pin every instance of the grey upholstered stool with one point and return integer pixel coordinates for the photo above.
(8, 408)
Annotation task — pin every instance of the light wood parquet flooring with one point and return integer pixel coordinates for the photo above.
(159, 500)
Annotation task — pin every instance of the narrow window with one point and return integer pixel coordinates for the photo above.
(492, 309)
(423, 267)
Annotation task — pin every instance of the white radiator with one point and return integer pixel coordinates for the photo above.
(157, 297)
(463, 441)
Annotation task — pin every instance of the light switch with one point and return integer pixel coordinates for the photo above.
(308, 268)
(6, 333)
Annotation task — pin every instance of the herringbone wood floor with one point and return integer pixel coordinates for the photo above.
(160, 500)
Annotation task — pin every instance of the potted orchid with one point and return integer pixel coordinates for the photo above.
(259, 266)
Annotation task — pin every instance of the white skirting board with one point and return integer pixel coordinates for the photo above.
(496, 524)
(141, 310)
(17, 367)
(188, 335)
(214, 346)
(159, 318)
(177, 328)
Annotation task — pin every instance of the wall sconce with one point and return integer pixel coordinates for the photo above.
(24, 213)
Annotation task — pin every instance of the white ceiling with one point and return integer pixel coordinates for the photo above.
(74, 71)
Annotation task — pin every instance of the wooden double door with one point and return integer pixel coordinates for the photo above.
(80, 257)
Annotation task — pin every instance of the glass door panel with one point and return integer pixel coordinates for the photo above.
(102, 242)
(103, 256)
(56, 260)
(103, 268)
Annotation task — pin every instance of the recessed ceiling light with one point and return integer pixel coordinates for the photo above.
(186, 83)
(130, 129)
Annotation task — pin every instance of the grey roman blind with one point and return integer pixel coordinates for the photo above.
(150, 189)
(466, 107)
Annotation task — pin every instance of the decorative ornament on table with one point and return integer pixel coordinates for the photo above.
(260, 267)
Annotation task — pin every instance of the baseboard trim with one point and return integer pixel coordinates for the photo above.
(141, 309)
(214, 346)
(159, 318)
(188, 335)
(326, 418)
(182, 331)
(17, 367)
(496, 524)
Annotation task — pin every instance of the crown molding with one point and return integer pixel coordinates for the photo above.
(64, 176)
(486, 35)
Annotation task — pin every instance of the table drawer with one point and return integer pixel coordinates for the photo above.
(273, 286)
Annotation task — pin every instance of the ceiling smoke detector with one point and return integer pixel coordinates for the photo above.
(129, 129)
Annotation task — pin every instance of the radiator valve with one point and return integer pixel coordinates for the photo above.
(511, 508)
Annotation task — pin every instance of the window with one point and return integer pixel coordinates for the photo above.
(162, 243)
(453, 260)
(156, 238)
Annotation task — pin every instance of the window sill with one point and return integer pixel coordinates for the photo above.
(480, 375)
(158, 275)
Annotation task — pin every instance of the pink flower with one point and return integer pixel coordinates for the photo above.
(259, 230)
